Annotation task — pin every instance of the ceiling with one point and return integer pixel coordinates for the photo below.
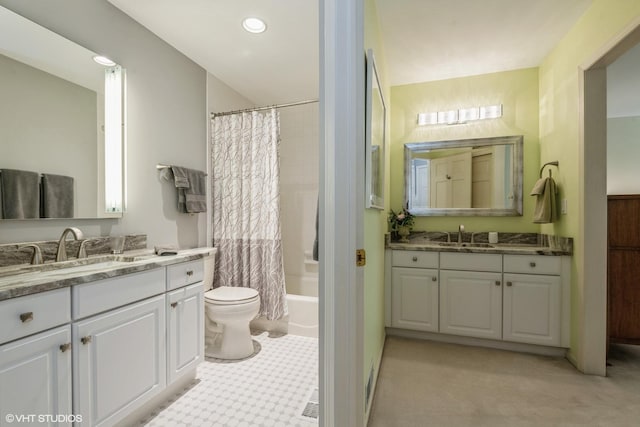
(423, 40)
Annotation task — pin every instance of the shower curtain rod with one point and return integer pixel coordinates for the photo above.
(266, 107)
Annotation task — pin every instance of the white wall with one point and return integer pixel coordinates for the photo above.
(299, 181)
(623, 153)
(166, 121)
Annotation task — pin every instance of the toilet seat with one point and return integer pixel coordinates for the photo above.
(231, 295)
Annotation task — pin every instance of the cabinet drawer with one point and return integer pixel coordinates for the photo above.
(183, 274)
(102, 295)
(418, 259)
(533, 264)
(27, 315)
(471, 262)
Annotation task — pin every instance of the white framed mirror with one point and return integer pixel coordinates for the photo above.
(468, 177)
(376, 113)
(61, 114)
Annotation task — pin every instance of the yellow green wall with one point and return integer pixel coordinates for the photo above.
(516, 90)
(559, 120)
(375, 225)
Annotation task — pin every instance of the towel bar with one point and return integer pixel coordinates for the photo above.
(554, 163)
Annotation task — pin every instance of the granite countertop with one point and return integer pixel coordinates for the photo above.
(509, 243)
(486, 248)
(23, 279)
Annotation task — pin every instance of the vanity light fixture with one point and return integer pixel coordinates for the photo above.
(254, 25)
(113, 138)
(461, 116)
(103, 60)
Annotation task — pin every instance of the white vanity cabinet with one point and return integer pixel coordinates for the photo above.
(35, 376)
(120, 355)
(185, 318)
(506, 297)
(532, 299)
(35, 359)
(471, 295)
(414, 290)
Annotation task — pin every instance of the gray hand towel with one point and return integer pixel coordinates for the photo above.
(192, 189)
(546, 209)
(20, 194)
(180, 176)
(57, 196)
(195, 195)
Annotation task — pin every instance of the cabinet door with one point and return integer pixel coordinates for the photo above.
(532, 306)
(119, 361)
(414, 299)
(35, 377)
(471, 303)
(185, 322)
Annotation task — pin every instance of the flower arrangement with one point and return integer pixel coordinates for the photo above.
(404, 218)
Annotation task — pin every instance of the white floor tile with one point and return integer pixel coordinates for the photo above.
(268, 389)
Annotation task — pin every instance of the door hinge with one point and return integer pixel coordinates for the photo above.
(361, 258)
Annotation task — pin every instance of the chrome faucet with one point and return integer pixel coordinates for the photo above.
(460, 231)
(62, 248)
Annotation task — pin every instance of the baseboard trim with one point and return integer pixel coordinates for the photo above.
(376, 374)
(479, 342)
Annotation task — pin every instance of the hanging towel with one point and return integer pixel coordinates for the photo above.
(57, 196)
(20, 194)
(192, 189)
(546, 210)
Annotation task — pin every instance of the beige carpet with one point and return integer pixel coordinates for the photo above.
(424, 383)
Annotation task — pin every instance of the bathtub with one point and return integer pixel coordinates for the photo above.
(302, 319)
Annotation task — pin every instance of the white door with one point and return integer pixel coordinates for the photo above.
(451, 181)
(482, 181)
(414, 299)
(119, 361)
(532, 306)
(35, 378)
(185, 334)
(471, 303)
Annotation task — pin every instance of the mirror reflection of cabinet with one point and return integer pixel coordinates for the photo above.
(53, 112)
(464, 177)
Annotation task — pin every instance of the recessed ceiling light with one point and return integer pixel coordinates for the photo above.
(254, 25)
(103, 60)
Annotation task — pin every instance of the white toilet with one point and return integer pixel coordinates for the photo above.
(229, 310)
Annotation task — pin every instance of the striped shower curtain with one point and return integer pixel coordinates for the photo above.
(246, 206)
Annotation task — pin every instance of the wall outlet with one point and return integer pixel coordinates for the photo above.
(563, 207)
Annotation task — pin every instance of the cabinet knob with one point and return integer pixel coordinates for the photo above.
(415, 259)
(532, 264)
(65, 347)
(190, 273)
(86, 340)
(434, 279)
(174, 304)
(509, 283)
(497, 282)
(26, 317)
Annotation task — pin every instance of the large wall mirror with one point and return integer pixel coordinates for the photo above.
(469, 177)
(376, 114)
(60, 115)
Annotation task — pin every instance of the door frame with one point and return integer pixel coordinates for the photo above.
(341, 212)
(592, 165)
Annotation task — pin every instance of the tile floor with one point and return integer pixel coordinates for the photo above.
(271, 388)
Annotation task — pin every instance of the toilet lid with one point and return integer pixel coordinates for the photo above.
(230, 295)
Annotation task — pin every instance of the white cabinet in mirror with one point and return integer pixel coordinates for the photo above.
(61, 114)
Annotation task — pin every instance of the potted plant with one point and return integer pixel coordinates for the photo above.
(401, 223)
